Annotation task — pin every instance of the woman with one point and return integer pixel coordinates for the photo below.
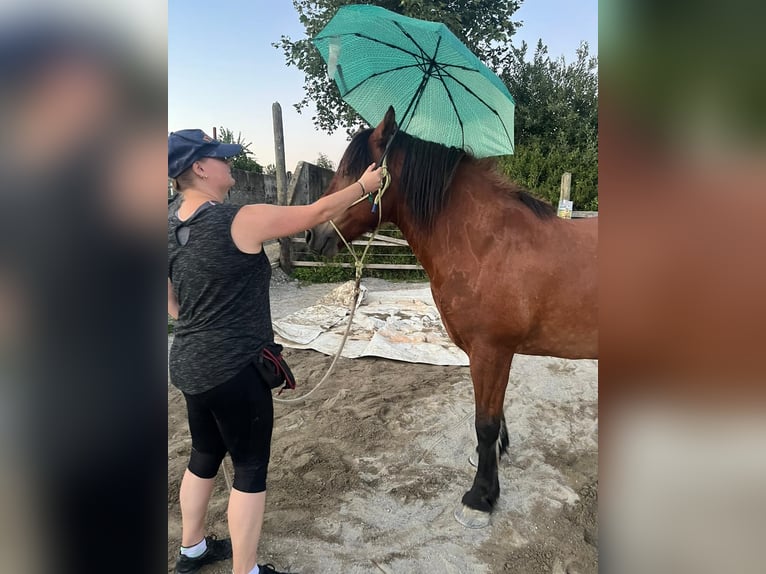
(218, 289)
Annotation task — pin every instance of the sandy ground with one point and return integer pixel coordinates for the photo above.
(366, 473)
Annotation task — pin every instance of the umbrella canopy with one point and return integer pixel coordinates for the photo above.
(440, 90)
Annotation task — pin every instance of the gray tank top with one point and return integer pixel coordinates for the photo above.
(224, 317)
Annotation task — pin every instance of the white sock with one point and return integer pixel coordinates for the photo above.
(255, 570)
(196, 550)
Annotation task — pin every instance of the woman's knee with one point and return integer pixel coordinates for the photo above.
(250, 476)
(205, 464)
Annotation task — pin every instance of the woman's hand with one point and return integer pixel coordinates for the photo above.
(371, 178)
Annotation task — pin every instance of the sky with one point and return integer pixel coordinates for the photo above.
(223, 70)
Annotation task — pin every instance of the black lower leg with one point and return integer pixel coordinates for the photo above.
(486, 487)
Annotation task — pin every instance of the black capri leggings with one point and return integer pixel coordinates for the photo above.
(236, 416)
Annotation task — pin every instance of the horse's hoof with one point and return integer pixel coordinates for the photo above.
(471, 518)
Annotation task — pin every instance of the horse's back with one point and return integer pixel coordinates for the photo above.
(522, 282)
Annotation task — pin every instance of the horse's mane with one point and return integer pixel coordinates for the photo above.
(427, 172)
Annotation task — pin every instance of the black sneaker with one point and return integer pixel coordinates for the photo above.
(216, 550)
(269, 569)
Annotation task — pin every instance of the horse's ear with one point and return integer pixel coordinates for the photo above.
(387, 127)
(389, 121)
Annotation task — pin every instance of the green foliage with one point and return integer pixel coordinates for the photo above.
(329, 273)
(556, 123)
(242, 160)
(480, 24)
(325, 162)
(556, 119)
(334, 273)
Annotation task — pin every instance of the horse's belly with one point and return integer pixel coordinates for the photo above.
(581, 351)
(581, 343)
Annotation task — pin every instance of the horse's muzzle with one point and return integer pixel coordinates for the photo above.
(322, 240)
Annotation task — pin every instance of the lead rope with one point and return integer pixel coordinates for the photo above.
(358, 267)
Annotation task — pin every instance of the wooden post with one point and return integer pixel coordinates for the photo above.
(285, 261)
(566, 186)
(565, 205)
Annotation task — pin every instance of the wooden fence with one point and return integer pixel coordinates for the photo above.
(380, 242)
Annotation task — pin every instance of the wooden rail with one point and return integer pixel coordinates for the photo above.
(378, 240)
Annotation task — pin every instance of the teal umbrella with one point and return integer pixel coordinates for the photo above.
(440, 90)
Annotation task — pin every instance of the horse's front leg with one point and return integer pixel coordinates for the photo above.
(502, 444)
(489, 371)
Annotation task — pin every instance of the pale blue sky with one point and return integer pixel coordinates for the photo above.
(223, 71)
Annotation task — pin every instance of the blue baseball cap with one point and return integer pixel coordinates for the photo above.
(187, 146)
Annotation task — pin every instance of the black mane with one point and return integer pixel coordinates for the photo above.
(427, 172)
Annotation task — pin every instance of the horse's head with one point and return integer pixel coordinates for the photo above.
(366, 147)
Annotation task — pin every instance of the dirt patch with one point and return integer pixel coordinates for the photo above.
(366, 473)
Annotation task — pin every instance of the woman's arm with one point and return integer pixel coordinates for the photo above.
(260, 222)
(172, 301)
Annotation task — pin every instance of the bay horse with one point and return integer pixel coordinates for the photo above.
(507, 275)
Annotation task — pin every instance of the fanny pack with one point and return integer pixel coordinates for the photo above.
(274, 369)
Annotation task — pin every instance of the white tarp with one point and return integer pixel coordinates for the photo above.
(403, 325)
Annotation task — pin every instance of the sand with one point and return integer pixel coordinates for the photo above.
(366, 473)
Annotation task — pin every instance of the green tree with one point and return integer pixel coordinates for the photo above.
(243, 160)
(555, 124)
(325, 162)
(556, 120)
(481, 24)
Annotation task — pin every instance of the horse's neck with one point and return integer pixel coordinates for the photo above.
(427, 245)
(435, 248)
